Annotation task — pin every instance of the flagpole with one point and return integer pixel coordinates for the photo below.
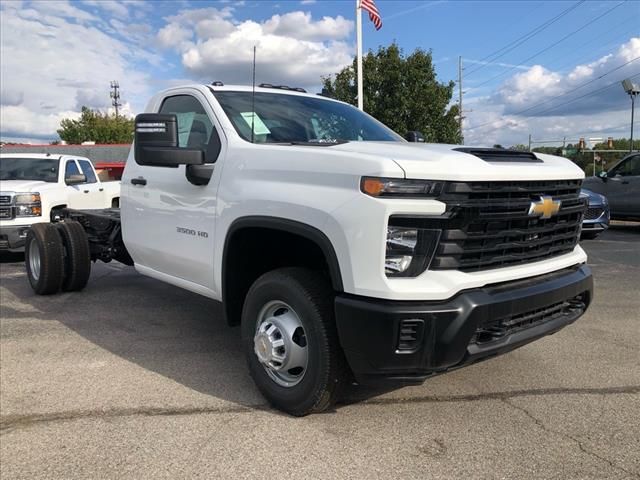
(359, 54)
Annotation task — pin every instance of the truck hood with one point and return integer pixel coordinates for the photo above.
(442, 162)
(25, 185)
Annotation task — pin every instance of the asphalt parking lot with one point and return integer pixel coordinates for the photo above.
(133, 378)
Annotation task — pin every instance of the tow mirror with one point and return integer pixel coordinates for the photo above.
(414, 136)
(156, 142)
(75, 179)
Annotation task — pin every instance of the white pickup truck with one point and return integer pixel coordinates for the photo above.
(34, 187)
(343, 251)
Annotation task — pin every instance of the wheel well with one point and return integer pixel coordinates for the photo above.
(54, 210)
(254, 250)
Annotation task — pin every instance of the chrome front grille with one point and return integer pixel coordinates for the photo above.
(7, 212)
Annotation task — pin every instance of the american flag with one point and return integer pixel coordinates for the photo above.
(374, 15)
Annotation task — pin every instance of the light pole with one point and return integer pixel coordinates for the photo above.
(632, 89)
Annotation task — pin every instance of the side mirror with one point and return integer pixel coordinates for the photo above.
(603, 176)
(75, 179)
(156, 142)
(414, 137)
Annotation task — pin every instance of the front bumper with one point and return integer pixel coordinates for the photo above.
(408, 341)
(12, 238)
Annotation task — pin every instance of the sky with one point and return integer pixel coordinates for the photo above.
(549, 69)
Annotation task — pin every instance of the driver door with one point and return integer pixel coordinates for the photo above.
(168, 221)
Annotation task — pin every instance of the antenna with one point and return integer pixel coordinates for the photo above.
(253, 95)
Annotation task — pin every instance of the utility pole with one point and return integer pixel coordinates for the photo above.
(529, 142)
(460, 116)
(633, 105)
(115, 95)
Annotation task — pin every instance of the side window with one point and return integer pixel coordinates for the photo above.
(88, 171)
(71, 169)
(631, 166)
(634, 165)
(195, 129)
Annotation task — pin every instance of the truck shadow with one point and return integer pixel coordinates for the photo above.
(177, 334)
(10, 257)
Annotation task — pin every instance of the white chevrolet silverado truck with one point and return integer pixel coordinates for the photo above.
(35, 187)
(344, 252)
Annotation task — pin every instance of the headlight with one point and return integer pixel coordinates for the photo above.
(409, 250)
(400, 187)
(28, 205)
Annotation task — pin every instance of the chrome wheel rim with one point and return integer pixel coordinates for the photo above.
(280, 344)
(34, 260)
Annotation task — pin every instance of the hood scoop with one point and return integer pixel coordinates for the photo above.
(498, 155)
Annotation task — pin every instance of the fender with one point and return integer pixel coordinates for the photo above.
(289, 226)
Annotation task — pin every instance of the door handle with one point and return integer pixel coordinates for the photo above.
(626, 182)
(86, 191)
(139, 181)
(101, 189)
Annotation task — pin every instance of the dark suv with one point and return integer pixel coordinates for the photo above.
(621, 186)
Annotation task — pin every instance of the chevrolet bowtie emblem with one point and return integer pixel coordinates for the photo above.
(544, 208)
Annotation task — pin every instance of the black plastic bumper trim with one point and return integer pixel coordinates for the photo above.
(14, 240)
(369, 328)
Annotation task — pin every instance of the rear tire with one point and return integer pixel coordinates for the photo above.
(77, 258)
(43, 255)
(304, 299)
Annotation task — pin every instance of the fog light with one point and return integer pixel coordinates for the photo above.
(408, 250)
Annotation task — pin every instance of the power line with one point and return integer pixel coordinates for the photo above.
(578, 87)
(601, 46)
(520, 40)
(551, 46)
(606, 87)
(588, 94)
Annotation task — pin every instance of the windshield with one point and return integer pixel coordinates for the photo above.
(43, 169)
(281, 118)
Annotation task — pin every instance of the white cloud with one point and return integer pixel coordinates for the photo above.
(300, 25)
(33, 125)
(307, 2)
(56, 61)
(63, 9)
(11, 97)
(537, 85)
(539, 102)
(174, 35)
(292, 48)
(110, 6)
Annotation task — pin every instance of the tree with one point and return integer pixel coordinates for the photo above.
(95, 126)
(402, 92)
(519, 147)
(549, 150)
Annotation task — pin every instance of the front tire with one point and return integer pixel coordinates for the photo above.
(43, 255)
(291, 343)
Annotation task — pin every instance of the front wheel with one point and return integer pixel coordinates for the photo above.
(291, 343)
